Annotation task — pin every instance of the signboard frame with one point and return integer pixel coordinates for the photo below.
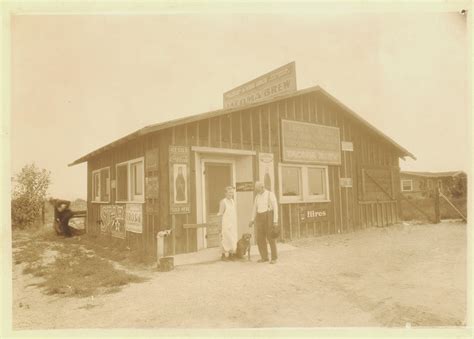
(179, 170)
(347, 146)
(345, 182)
(264, 87)
(114, 222)
(134, 218)
(336, 144)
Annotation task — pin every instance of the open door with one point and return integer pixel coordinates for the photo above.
(217, 176)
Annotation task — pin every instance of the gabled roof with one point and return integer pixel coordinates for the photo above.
(434, 174)
(211, 114)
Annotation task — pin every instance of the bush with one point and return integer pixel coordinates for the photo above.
(28, 196)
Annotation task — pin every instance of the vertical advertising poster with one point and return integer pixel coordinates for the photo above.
(179, 180)
(134, 218)
(113, 220)
(266, 170)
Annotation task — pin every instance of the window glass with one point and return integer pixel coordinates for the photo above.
(122, 182)
(406, 185)
(137, 178)
(96, 190)
(316, 181)
(104, 184)
(291, 181)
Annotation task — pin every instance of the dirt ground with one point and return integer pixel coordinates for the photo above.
(390, 276)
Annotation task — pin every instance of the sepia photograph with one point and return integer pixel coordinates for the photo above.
(267, 168)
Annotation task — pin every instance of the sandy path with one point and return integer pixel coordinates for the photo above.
(376, 277)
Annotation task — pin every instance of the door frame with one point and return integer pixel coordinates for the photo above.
(218, 160)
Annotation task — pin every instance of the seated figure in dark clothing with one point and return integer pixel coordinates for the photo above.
(62, 215)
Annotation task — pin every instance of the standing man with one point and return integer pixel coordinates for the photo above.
(265, 217)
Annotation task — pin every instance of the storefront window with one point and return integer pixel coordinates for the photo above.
(137, 178)
(301, 183)
(122, 182)
(130, 181)
(291, 177)
(316, 182)
(407, 185)
(96, 191)
(101, 185)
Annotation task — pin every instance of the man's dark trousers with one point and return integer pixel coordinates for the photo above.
(264, 224)
(64, 217)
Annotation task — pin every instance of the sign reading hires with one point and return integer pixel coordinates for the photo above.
(180, 200)
(275, 83)
(310, 143)
(311, 214)
(134, 218)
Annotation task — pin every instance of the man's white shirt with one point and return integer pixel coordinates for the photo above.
(263, 202)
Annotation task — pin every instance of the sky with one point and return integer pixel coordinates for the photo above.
(82, 81)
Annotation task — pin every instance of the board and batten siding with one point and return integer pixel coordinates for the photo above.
(373, 166)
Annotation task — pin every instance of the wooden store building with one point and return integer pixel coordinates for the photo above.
(331, 171)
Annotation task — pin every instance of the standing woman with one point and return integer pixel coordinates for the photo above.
(229, 224)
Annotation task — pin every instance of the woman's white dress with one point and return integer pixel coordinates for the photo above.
(229, 226)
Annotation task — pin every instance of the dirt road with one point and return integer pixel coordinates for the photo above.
(377, 277)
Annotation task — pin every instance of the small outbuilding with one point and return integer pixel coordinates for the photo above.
(331, 170)
(421, 184)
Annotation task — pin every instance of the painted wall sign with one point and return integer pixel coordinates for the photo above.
(180, 201)
(275, 83)
(311, 214)
(151, 159)
(151, 187)
(244, 186)
(266, 170)
(347, 146)
(134, 218)
(112, 220)
(345, 182)
(310, 143)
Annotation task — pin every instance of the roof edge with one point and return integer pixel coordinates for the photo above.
(210, 114)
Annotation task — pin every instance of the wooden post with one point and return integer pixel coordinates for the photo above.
(436, 205)
(173, 233)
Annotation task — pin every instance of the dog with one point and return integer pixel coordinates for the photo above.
(243, 246)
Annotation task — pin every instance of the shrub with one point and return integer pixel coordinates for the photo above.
(28, 196)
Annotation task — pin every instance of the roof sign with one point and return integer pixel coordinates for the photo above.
(278, 82)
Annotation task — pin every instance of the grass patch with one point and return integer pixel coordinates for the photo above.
(71, 270)
(75, 273)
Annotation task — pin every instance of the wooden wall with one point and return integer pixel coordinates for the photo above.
(373, 167)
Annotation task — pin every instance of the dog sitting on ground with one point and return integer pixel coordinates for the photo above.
(243, 246)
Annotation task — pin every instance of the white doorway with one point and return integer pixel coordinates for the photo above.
(217, 174)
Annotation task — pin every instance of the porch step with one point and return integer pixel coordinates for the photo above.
(209, 255)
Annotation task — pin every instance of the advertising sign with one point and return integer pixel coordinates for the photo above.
(275, 83)
(134, 218)
(345, 182)
(151, 187)
(347, 146)
(310, 143)
(247, 186)
(311, 214)
(266, 170)
(180, 201)
(112, 220)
